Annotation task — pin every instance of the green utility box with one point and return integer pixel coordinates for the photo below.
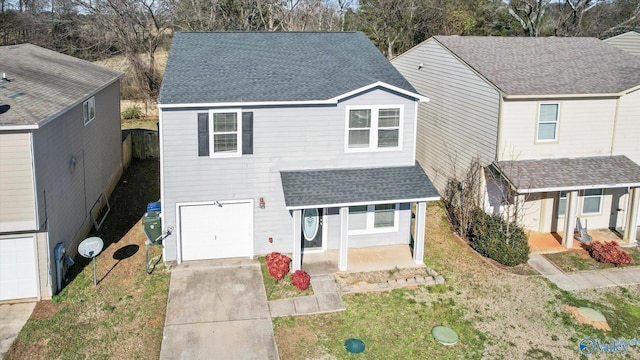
(152, 223)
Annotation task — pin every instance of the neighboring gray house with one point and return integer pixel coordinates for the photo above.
(629, 41)
(288, 142)
(521, 105)
(60, 149)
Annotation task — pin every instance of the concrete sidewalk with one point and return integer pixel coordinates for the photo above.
(590, 279)
(218, 310)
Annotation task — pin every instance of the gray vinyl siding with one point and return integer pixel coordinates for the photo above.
(66, 194)
(285, 138)
(461, 120)
(17, 203)
(629, 42)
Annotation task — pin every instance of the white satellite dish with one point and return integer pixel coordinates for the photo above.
(90, 248)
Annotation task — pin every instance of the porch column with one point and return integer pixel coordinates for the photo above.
(344, 228)
(570, 219)
(631, 225)
(418, 233)
(296, 253)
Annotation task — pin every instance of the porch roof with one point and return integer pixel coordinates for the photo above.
(356, 186)
(533, 176)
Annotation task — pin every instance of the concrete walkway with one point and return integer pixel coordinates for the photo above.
(218, 310)
(326, 298)
(590, 279)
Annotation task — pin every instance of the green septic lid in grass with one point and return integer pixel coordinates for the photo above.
(444, 335)
(592, 314)
(354, 346)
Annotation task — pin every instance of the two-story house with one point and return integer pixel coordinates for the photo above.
(629, 41)
(555, 118)
(60, 153)
(286, 141)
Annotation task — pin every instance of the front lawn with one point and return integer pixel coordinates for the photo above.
(496, 313)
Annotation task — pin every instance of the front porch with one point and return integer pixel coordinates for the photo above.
(374, 258)
(548, 243)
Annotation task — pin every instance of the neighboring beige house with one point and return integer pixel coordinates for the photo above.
(629, 41)
(557, 118)
(60, 151)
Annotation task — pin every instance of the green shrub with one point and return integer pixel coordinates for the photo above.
(132, 113)
(503, 242)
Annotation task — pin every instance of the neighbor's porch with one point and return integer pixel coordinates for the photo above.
(577, 178)
(548, 243)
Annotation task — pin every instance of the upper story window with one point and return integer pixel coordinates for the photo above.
(225, 133)
(592, 201)
(548, 122)
(227, 127)
(89, 110)
(372, 128)
(373, 218)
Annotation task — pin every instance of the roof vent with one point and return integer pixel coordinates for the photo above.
(4, 77)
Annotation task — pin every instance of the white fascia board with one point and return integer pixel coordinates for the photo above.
(331, 101)
(563, 96)
(577, 188)
(347, 204)
(18, 127)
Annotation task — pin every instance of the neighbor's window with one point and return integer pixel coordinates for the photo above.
(89, 110)
(226, 133)
(562, 203)
(373, 128)
(591, 201)
(373, 218)
(548, 122)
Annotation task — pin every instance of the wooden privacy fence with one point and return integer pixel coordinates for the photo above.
(139, 144)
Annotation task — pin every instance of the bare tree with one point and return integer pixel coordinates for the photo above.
(530, 14)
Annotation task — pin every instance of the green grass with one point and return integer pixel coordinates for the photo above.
(569, 261)
(282, 289)
(107, 321)
(393, 325)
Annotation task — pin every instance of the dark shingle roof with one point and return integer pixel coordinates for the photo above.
(43, 83)
(213, 67)
(571, 174)
(311, 188)
(547, 66)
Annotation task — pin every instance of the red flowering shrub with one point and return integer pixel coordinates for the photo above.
(609, 253)
(300, 279)
(278, 265)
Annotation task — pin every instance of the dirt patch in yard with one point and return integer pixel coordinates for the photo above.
(579, 317)
(44, 310)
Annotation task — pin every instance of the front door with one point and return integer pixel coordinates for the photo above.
(311, 229)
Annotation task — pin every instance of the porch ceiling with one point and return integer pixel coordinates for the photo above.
(345, 187)
(532, 176)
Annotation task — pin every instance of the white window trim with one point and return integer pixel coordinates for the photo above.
(238, 152)
(370, 229)
(583, 197)
(557, 122)
(90, 103)
(373, 134)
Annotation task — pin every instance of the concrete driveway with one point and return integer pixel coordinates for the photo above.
(218, 309)
(12, 319)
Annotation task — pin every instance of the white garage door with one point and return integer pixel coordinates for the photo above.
(18, 271)
(223, 230)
